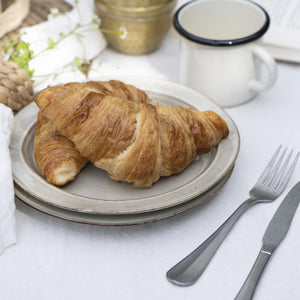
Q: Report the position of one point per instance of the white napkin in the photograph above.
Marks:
(79, 37)
(7, 204)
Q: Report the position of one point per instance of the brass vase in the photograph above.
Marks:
(146, 23)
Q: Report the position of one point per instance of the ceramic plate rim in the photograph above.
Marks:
(119, 220)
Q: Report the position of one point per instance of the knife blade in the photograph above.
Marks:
(282, 219)
(274, 234)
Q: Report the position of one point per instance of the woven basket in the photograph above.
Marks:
(38, 12)
(13, 16)
(15, 86)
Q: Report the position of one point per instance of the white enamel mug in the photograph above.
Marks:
(220, 50)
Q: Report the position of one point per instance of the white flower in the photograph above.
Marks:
(53, 13)
(123, 32)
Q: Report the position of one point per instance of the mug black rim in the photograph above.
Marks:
(213, 42)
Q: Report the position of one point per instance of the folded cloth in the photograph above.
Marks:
(63, 44)
(7, 204)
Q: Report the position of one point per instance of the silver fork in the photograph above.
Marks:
(268, 187)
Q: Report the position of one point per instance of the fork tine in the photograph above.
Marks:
(274, 172)
(280, 174)
(285, 180)
(269, 166)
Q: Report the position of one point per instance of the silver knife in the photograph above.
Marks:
(275, 233)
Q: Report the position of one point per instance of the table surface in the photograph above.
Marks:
(57, 259)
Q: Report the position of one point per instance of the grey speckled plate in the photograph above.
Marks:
(93, 192)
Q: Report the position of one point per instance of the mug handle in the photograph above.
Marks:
(269, 62)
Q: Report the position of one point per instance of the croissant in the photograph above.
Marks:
(55, 155)
(135, 142)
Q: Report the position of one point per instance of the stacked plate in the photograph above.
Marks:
(96, 199)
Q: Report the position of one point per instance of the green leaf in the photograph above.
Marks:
(79, 35)
(21, 55)
(95, 21)
(51, 44)
(77, 61)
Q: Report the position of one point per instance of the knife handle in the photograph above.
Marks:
(247, 290)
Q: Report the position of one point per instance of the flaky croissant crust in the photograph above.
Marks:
(136, 142)
(57, 158)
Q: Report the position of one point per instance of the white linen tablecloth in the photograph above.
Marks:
(57, 259)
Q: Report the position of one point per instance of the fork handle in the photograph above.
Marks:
(188, 270)
(247, 290)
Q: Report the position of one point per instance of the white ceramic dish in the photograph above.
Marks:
(114, 220)
(94, 192)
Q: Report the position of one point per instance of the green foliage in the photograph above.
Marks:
(20, 53)
(51, 44)
(82, 66)
(77, 61)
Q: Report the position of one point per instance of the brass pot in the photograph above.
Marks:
(146, 25)
(135, 3)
